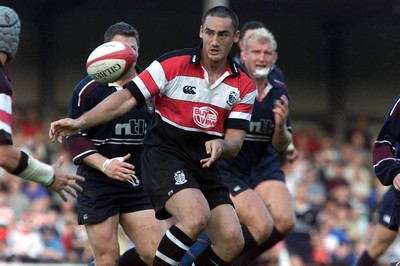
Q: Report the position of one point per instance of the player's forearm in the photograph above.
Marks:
(9, 157)
(232, 142)
(95, 160)
(115, 105)
(281, 139)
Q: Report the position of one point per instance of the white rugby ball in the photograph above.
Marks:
(110, 61)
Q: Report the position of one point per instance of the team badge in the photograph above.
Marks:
(233, 98)
(180, 178)
(205, 117)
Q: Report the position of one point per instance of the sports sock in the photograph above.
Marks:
(202, 242)
(172, 247)
(249, 241)
(252, 254)
(131, 257)
(365, 260)
(209, 258)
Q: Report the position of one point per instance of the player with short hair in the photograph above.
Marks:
(113, 193)
(203, 106)
(254, 177)
(12, 159)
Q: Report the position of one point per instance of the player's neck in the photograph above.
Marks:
(260, 83)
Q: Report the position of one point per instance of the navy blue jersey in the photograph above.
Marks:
(113, 139)
(6, 99)
(385, 155)
(260, 132)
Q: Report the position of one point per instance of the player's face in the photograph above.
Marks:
(259, 55)
(218, 37)
(131, 41)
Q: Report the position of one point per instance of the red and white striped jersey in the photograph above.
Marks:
(6, 100)
(192, 109)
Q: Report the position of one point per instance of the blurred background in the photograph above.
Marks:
(341, 62)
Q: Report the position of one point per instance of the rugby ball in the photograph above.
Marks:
(110, 61)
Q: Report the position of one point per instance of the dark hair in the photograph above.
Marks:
(251, 25)
(222, 12)
(121, 28)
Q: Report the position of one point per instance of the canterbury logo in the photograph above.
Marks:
(189, 90)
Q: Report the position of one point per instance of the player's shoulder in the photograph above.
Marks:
(176, 54)
(88, 87)
(276, 83)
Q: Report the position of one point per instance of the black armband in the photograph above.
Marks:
(22, 164)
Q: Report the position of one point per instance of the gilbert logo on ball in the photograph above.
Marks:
(110, 61)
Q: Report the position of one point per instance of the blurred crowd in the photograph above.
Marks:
(334, 189)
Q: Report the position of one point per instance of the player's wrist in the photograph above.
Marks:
(32, 169)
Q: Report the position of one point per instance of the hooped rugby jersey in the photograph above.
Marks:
(190, 110)
(385, 156)
(6, 101)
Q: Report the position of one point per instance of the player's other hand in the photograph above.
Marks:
(63, 128)
(119, 169)
(214, 149)
(65, 183)
(292, 154)
(396, 182)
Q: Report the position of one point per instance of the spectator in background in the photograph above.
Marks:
(32, 123)
(18, 201)
(299, 241)
(24, 243)
(53, 251)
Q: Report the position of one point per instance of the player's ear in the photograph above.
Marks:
(236, 36)
(275, 57)
(201, 32)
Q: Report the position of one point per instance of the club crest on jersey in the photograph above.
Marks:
(233, 98)
(180, 178)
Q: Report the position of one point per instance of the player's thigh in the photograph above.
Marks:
(278, 200)
(103, 236)
(143, 229)
(188, 206)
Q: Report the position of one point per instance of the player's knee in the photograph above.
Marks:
(261, 228)
(231, 237)
(285, 222)
(194, 223)
(106, 260)
(106, 257)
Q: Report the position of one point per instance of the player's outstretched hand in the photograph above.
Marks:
(63, 128)
(117, 168)
(64, 183)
